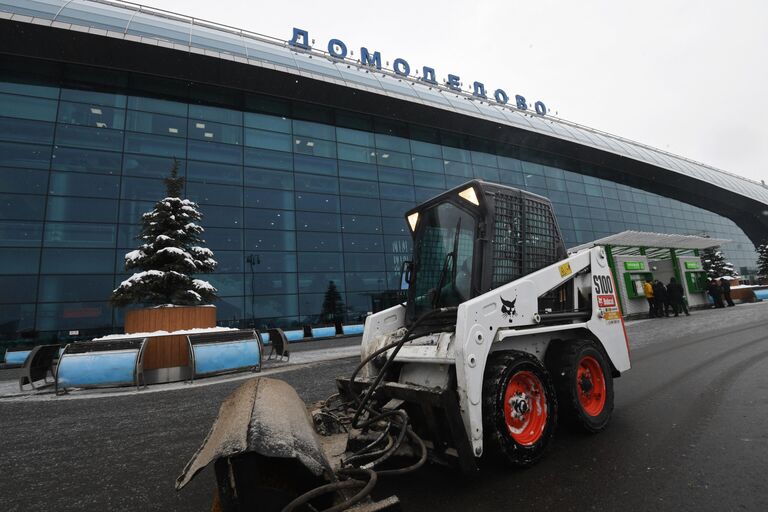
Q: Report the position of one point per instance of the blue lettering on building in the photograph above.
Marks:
(338, 50)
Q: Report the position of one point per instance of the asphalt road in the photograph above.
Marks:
(688, 433)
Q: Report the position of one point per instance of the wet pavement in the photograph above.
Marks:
(687, 434)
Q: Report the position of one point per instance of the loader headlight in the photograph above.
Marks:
(470, 195)
(413, 219)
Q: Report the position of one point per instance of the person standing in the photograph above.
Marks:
(660, 298)
(648, 290)
(677, 297)
(714, 291)
(725, 285)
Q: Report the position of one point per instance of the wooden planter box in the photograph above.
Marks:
(166, 358)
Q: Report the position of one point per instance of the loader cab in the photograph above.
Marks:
(472, 239)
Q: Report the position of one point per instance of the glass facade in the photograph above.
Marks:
(294, 196)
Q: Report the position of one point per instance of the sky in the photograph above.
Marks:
(686, 77)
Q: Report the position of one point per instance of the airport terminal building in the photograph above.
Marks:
(303, 157)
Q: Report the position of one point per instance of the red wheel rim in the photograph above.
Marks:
(525, 408)
(590, 382)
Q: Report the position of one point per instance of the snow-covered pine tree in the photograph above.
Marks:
(171, 252)
(715, 264)
(762, 260)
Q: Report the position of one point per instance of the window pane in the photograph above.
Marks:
(269, 219)
(208, 172)
(158, 124)
(25, 107)
(270, 240)
(160, 106)
(215, 132)
(265, 122)
(21, 130)
(215, 152)
(357, 170)
(316, 183)
(86, 137)
(20, 234)
(272, 262)
(87, 185)
(74, 288)
(322, 242)
(315, 165)
(79, 209)
(96, 116)
(23, 180)
(268, 140)
(150, 166)
(98, 98)
(142, 189)
(363, 243)
(207, 193)
(25, 155)
(79, 235)
(18, 289)
(146, 144)
(308, 129)
(256, 177)
(317, 202)
(19, 261)
(269, 159)
(21, 207)
(273, 199)
(73, 315)
(320, 262)
(319, 282)
(224, 238)
(222, 115)
(362, 205)
(363, 262)
(361, 224)
(86, 160)
(79, 261)
(311, 221)
(268, 284)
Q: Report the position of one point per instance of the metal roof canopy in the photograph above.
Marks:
(654, 240)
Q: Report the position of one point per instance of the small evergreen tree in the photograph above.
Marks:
(762, 260)
(333, 306)
(170, 253)
(715, 264)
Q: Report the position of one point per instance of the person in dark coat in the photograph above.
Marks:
(714, 291)
(725, 285)
(660, 298)
(677, 297)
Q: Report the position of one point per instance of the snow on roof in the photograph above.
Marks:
(660, 240)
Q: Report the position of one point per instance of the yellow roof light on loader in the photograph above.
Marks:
(413, 219)
(470, 195)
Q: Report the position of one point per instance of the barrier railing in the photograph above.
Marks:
(224, 352)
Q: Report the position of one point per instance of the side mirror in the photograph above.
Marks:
(406, 272)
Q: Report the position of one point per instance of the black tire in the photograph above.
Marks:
(563, 361)
(524, 448)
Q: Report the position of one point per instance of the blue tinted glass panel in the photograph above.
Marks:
(316, 147)
(70, 234)
(22, 130)
(160, 106)
(147, 144)
(395, 175)
(319, 282)
(359, 188)
(314, 165)
(357, 170)
(150, 166)
(73, 316)
(208, 172)
(320, 262)
(267, 178)
(131, 211)
(19, 261)
(392, 143)
(426, 149)
(267, 306)
(363, 262)
(85, 137)
(142, 189)
(312, 221)
(41, 91)
(79, 261)
(317, 202)
(268, 159)
(74, 288)
(269, 219)
(356, 154)
(95, 116)
(362, 205)
(268, 140)
(221, 115)
(227, 285)
(357, 137)
(97, 98)
(272, 262)
(269, 284)
(20, 234)
(316, 183)
(21, 207)
(421, 163)
(266, 122)
(229, 261)
(18, 289)
(272, 199)
(396, 192)
(85, 160)
(207, 193)
(222, 216)
(363, 243)
(25, 107)
(224, 238)
(215, 152)
(395, 209)
(322, 242)
(393, 159)
(458, 169)
(308, 129)
(78, 209)
(23, 180)
(362, 281)
(25, 155)
(86, 185)
(158, 124)
(215, 132)
(361, 224)
(270, 240)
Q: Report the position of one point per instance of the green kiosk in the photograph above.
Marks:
(637, 256)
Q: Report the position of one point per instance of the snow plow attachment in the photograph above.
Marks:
(267, 457)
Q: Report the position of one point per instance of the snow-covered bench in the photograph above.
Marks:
(224, 351)
(110, 363)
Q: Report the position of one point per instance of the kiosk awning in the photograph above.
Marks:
(654, 240)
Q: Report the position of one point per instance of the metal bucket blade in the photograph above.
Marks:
(264, 416)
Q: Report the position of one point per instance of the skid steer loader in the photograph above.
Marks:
(503, 336)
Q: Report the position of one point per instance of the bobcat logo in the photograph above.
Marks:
(508, 308)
